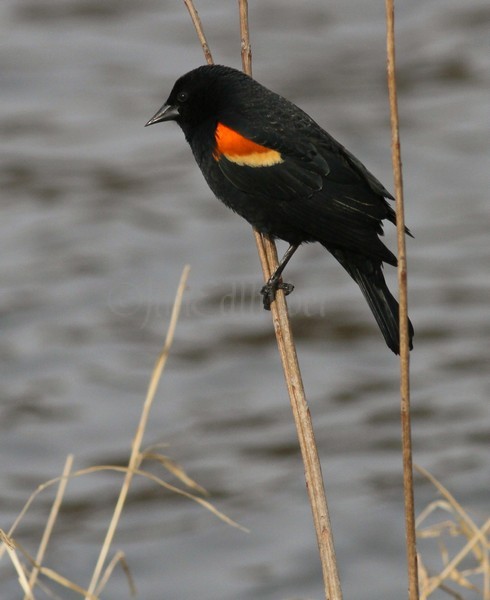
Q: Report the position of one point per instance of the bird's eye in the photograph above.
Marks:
(182, 97)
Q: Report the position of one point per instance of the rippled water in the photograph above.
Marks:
(98, 218)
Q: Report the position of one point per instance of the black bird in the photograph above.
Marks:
(275, 166)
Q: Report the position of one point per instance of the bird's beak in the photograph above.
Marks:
(166, 113)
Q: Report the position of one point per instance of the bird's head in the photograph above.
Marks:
(202, 95)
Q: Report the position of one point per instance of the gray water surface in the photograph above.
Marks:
(98, 218)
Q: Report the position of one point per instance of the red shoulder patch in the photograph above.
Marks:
(238, 149)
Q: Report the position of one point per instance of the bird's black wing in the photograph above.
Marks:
(313, 175)
(278, 171)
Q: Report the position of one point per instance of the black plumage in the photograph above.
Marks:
(274, 165)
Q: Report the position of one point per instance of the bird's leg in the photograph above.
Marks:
(274, 283)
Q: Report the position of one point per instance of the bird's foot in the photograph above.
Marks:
(269, 291)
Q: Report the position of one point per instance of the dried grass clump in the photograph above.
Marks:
(28, 568)
(454, 529)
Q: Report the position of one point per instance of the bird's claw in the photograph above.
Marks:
(269, 290)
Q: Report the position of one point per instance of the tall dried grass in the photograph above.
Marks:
(459, 539)
(28, 568)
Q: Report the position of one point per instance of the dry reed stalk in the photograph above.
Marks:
(301, 412)
(10, 548)
(161, 482)
(282, 327)
(174, 469)
(12, 544)
(199, 30)
(135, 457)
(50, 523)
(66, 583)
(118, 558)
(413, 592)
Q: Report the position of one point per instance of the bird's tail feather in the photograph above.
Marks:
(383, 305)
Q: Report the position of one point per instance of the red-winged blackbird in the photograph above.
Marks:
(271, 163)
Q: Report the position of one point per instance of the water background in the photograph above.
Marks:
(98, 218)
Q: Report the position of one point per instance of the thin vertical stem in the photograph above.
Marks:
(404, 336)
(287, 350)
(245, 37)
(135, 457)
(199, 30)
(51, 521)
